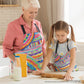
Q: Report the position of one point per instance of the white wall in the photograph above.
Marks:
(76, 17)
(80, 54)
(45, 15)
(59, 10)
(7, 14)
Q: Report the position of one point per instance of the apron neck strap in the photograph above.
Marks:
(67, 45)
(23, 29)
(57, 46)
(24, 32)
(37, 27)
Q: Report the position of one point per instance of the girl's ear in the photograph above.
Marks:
(68, 32)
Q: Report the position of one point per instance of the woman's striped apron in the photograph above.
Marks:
(32, 46)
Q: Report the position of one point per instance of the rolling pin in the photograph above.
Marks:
(82, 79)
(47, 75)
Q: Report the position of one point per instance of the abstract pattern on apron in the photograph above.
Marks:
(62, 63)
(32, 46)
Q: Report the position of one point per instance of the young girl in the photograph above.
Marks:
(62, 50)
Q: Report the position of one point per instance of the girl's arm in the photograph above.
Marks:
(72, 60)
(72, 64)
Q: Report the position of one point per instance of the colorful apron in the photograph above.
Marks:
(62, 63)
(32, 46)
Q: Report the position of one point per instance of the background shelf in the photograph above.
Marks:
(9, 3)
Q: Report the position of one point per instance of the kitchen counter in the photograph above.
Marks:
(33, 79)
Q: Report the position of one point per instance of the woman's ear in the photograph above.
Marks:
(23, 9)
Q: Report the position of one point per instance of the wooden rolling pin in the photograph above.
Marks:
(82, 79)
(47, 75)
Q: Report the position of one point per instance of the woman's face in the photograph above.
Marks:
(30, 13)
(61, 35)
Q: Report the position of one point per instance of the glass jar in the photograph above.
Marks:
(17, 74)
(11, 69)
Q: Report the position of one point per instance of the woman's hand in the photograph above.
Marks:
(38, 72)
(51, 66)
(12, 57)
(67, 76)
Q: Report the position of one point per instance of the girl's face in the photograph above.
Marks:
(30, 13)
(61, 36)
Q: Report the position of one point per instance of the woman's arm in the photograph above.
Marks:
(12, 57)
(9, 41)
(46, 59)
(43, 39)
(45, 62)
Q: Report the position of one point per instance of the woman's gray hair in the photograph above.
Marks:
(30, 3)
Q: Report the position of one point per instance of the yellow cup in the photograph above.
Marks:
(23, 59)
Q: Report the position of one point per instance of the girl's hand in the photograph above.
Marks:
(67, 76)
(51, 66)
(38, 72)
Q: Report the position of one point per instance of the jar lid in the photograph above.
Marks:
(17, 56)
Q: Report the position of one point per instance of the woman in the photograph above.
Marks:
(24, 35)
